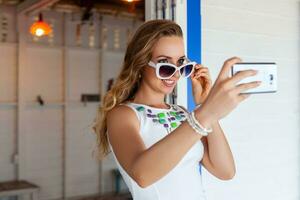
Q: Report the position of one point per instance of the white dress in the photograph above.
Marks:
(184, 181)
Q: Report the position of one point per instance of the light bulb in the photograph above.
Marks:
(39, 32)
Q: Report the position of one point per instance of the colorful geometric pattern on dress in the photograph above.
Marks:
(168, 119)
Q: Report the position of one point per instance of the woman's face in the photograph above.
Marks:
(166, 50)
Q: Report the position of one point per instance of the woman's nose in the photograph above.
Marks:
(177, 74)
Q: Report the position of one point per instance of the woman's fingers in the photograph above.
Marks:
(200, 70)
(246, 86)
(204, 77)
(197, 74)
(200, 67)
(241, 75)
(224, 73)
(242, 97)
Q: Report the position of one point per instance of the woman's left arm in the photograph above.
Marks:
(217, 157)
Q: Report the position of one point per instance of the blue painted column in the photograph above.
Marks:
(193, 43)
(193, 40)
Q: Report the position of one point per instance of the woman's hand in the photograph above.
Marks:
(201, 83)
(225, 94)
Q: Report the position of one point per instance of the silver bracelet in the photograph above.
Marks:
(198, 106)
(194, 126)
(207, 130)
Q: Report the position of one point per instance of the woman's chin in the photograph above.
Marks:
(167, 90)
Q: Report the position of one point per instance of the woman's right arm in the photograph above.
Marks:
(146, 166)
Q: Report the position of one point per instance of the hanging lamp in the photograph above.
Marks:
(40, 28)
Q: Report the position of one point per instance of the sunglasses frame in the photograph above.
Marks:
(158, 65)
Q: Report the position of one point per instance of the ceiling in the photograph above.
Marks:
(113, 7)
(98, 3)
(10, 2)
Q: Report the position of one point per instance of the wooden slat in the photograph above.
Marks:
(15, 188)
(16, 185)
(34, 6)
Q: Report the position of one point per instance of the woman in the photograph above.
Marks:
(157, 146)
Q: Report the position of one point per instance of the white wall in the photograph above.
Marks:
(114, 61)
(55, 141)
(7, 113)
(264, 130)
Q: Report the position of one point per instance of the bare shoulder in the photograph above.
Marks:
(122, 116)
(120, 119)
(124, 135)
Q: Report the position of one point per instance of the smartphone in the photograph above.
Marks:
(266, 73)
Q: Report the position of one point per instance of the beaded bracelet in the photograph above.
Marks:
(196, 128)
(195, 124)
(208, 130)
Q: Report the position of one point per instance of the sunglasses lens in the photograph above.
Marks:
(186, 70)
(166, 71)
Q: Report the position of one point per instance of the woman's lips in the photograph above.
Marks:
(169, 83)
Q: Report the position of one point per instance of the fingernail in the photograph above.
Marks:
(258, 82)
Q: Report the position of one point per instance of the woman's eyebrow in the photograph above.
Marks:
(168, 57)
(164, 56)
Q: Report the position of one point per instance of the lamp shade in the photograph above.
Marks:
(40, 28)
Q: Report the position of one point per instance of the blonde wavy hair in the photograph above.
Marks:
(137, 56)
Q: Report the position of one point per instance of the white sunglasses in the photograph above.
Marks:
(167, 70)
